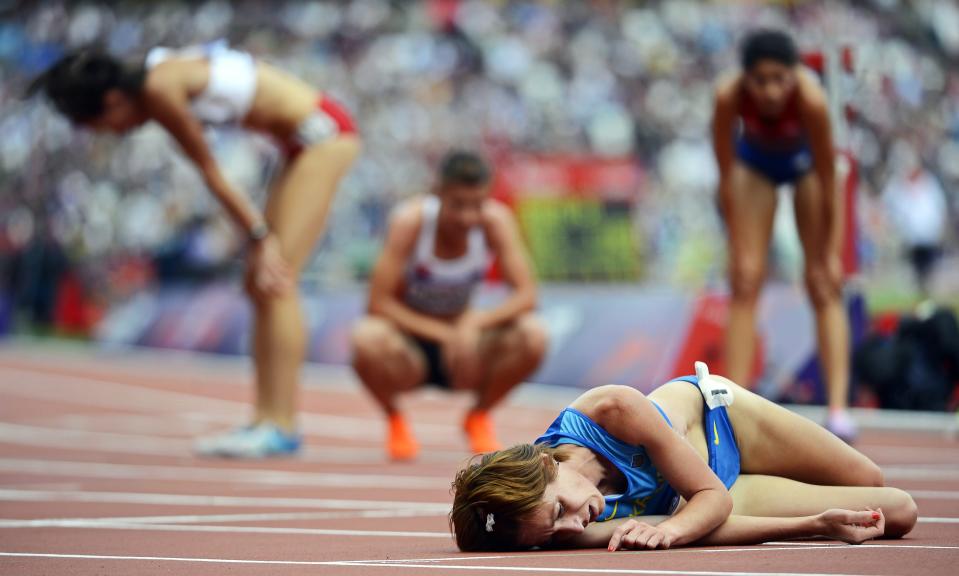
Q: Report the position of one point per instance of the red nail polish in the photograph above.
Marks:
(875, 515)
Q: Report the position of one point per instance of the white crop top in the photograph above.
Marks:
(229, 93)
(441, 287)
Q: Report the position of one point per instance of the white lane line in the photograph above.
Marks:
(801, 543)
(130, 526)
(220, 475)
(769, 546)
(143, 444)
(207, 518)
(918, 472)
(513, 569)
(93, 441)
(106, 394)
(935, 494)
(76, 435)
(199, 500)
(440, 566)
(153, 425)
(168, 559)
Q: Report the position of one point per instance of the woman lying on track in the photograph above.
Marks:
(183, 90)
(627, 471)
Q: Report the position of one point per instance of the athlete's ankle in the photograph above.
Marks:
(479, 430)
(284, 425)
(401, 444)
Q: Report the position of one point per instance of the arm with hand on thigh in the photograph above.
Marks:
(386, 282)
(723, 129)
(814, 111)
(503, 236)
(166, 99)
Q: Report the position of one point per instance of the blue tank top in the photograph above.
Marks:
(647, 492)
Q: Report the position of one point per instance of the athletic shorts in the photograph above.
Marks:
(330, 119)
(721, 444)
(435, 369)
(779, 167)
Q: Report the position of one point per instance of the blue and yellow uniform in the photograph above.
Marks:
(647, 492)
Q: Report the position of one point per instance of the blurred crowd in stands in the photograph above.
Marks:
(90, 218)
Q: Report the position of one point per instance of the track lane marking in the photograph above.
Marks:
(201, 500)
(434, 566)
(262, 476)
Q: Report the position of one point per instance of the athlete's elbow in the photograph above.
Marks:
(375, 307)
(613, 401)
(530, 300)
(726, 504)
(379, 306)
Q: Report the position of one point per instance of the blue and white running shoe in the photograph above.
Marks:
(262, 440)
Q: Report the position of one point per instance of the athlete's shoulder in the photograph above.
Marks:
(727, 88)
(496, 211)
(172, 77)
(407, 216)
(812, 96)
(605, 404)
(499, 225)
(408, 209)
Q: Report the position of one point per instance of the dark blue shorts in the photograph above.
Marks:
(779, 167)
(435, 370)
(720, 440)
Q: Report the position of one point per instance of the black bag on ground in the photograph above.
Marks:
(917, 367)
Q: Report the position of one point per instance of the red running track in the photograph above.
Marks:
(96, 477)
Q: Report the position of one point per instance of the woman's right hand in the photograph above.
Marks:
(851, 527)
(635, 535)
(269, 273)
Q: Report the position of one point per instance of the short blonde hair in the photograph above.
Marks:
(509, 484)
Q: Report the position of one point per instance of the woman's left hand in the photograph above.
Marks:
(634, 535)
(851, 527)
(270, 275)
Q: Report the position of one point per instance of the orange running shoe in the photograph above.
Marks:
(479, 429)
(401, 444)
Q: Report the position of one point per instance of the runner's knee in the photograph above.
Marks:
(901, 513)
(747, 278)
(371, 337)
(822, 288)
(533, 337)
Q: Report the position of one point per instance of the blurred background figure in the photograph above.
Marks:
(422, 327)
(918, 210)
(771, 128)
(183, 91)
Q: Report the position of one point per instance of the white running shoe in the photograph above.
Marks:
(260, 441)
(842, 425)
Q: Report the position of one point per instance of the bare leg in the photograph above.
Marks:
(751, 222)
(757, 495)
(510, 353)
(777, 442)
(385, 361)
(387, 364)
(296, 212)
(824, 284)
(279, 338)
